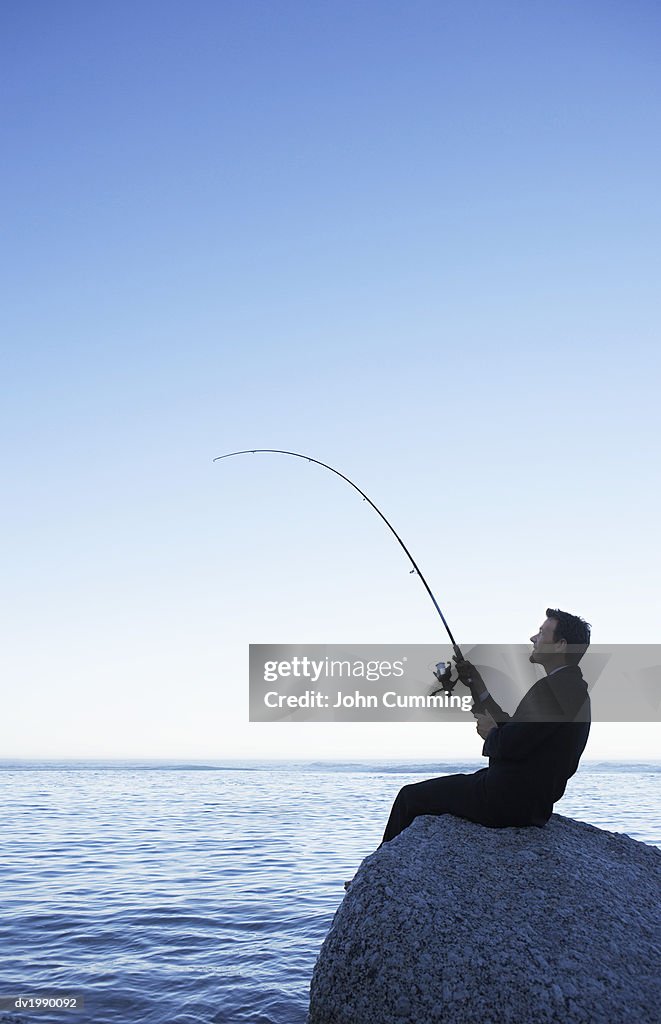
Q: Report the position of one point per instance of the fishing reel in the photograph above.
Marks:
(443, 674)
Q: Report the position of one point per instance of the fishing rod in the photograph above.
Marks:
(442, 674)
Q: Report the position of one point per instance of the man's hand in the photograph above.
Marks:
(485, 723)
(469, 675)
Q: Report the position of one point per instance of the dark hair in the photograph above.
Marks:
(574, 630)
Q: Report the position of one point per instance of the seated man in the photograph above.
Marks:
(531, 754)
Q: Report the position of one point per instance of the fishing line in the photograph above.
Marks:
(415, 569)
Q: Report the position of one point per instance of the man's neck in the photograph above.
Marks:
(555, 668)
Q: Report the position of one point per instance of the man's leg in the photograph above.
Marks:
(453, 794)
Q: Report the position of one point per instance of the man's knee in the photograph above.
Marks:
(403, 798)
(412, 798)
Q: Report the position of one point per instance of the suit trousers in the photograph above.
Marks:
(461, 795)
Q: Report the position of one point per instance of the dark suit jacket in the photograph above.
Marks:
(534, 752)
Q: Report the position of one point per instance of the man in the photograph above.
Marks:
(531, 754)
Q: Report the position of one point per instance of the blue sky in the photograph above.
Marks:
(416, 241)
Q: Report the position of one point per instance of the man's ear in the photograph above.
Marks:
(563, 644)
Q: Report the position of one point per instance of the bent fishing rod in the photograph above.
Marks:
(443, 675)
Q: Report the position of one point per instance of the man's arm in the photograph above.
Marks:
(482, 699)
(537, 718)
(514, 741)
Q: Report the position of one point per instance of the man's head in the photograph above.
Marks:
(562, 639)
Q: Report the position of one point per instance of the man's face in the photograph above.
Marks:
(543, 643)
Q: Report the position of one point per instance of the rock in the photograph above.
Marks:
(454, 923)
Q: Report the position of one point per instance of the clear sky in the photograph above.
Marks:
(418, 241)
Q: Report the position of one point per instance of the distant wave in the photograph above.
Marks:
(368, 766)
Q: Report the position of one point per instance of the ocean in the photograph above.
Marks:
(172, 893)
